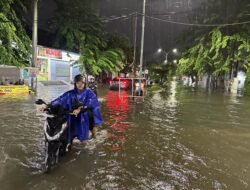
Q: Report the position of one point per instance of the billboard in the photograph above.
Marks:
(51, 53)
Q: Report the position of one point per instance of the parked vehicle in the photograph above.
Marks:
(124, 83)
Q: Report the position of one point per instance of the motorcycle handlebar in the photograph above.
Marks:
(70, 112)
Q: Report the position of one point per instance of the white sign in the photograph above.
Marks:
(68, 56)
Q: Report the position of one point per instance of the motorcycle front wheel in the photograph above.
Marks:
(51, 157)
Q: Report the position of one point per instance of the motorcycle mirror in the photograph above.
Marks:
(40, 102)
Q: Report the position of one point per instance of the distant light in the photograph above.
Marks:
(166, 61)
(175, 61)
(175, 50)
(159, 50)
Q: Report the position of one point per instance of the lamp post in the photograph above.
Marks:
(135, 44)
(142, 42)
(34, 40)
(167, 53)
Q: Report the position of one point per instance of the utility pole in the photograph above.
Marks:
(142, 42)
(34, 40)
(135, 44)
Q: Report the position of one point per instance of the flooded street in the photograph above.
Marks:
(178, 139)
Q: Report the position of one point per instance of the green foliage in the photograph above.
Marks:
(95, 61)
(214, 50)
(116, 41)
(154, 88)
(161, 72)
(79, 28)
(15, 48)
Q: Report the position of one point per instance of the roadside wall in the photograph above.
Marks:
(9, 75)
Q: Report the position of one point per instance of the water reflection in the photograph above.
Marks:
(117, 108)
(172, 102)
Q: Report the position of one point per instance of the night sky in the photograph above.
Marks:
(157, 34)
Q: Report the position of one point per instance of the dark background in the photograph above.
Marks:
(157, 34)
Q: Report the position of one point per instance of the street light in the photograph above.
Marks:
(175, 50)
(160, 50)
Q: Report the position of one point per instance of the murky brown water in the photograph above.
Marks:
(183, 139)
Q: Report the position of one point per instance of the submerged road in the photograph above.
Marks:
(178, 139)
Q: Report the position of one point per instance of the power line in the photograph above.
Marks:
(164, 20)
(196, 24)
(118, 18)
(103, 20)
(176, 22)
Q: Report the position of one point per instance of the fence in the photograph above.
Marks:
(134, 87)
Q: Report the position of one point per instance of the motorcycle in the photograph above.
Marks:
(55, 133)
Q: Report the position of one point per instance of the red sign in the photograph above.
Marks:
(46, 52)
(54, 53)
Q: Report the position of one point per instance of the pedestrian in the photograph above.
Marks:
(93, 85)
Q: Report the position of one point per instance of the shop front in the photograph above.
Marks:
(56, 65)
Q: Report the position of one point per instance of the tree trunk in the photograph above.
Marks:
(208, 82)
(87, 76)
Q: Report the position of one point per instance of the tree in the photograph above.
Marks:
(95, 60)
(121, 42)
(79, 28)
(217, 50)
(15, 46)
(161, 72)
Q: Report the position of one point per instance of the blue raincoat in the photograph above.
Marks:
(79, 126)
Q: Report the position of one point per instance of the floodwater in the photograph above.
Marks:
(178, 139)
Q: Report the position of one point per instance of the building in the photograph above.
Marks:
(53, 65)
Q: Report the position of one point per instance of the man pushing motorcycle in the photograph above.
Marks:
(79, 122)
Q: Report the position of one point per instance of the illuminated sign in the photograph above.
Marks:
(46, 52)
